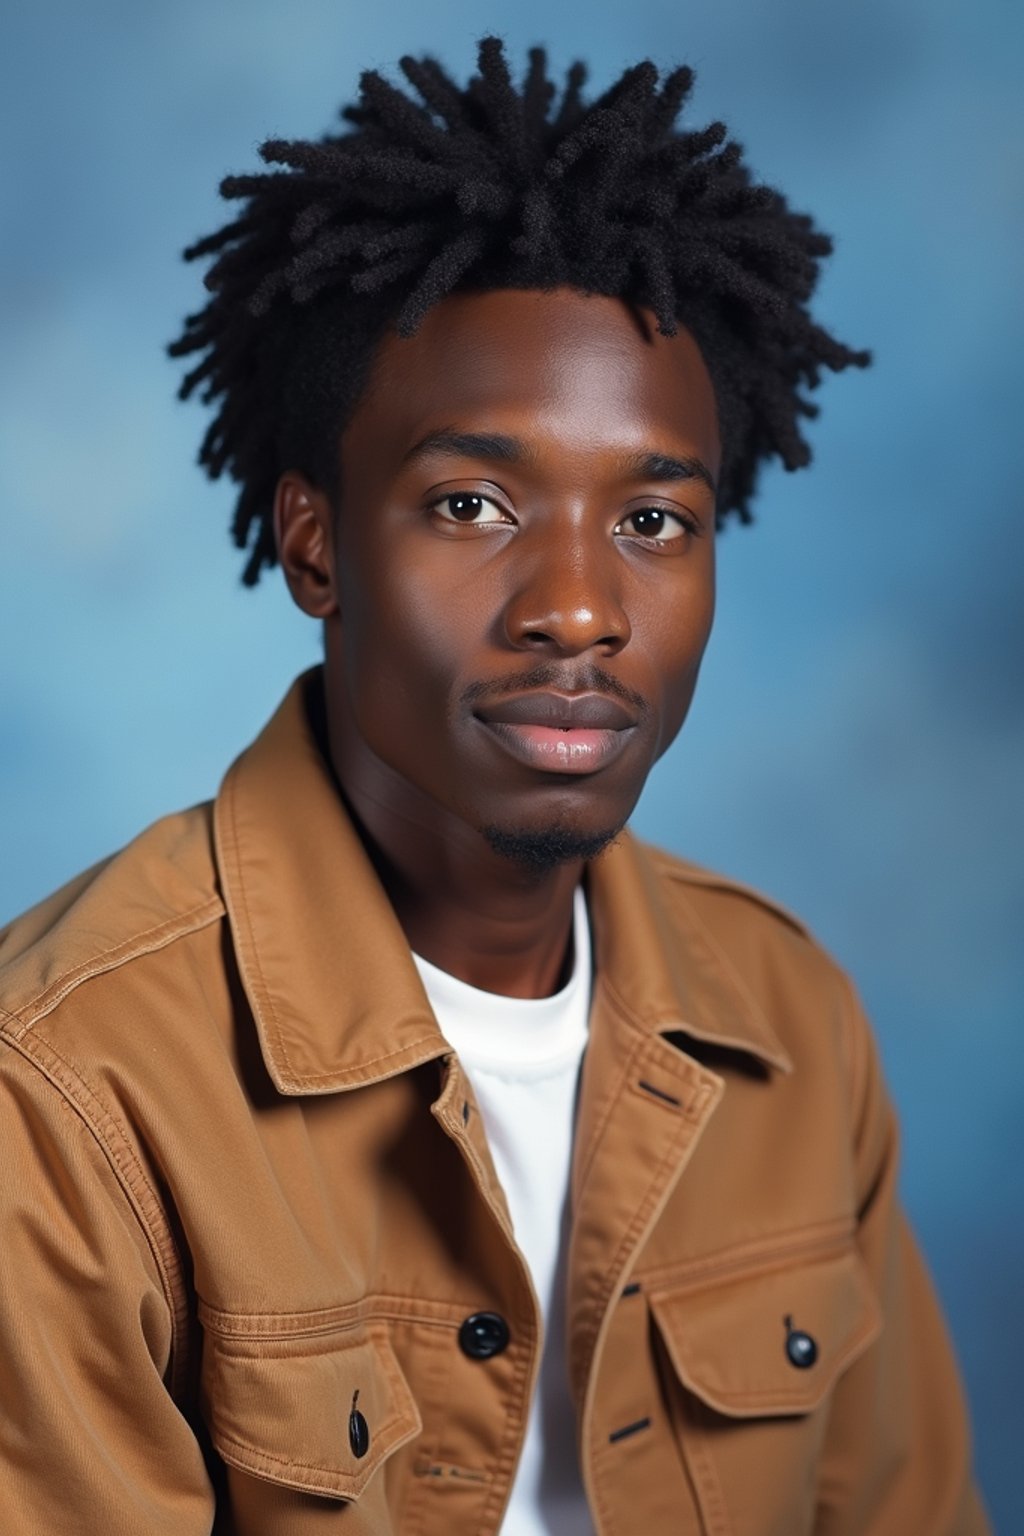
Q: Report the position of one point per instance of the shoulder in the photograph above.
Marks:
(158, 890)
(738, 920)
(710, 890)
(771, 956)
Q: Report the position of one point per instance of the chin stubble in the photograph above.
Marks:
(539, 851)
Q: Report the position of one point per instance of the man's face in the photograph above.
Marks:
(524, 558)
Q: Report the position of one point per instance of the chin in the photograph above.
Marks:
(538, 850)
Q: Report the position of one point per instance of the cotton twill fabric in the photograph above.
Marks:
(243, 1181)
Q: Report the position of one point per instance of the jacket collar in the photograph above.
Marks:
(326, 967)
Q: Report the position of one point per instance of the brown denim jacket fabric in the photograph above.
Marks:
(246, 1195)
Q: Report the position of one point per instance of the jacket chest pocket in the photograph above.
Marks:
(307, 1410)
(751, 1364)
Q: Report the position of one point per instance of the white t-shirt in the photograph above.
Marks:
(522, 1056)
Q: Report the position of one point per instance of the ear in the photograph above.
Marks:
(302, 531)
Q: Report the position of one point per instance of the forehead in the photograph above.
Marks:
(555, 366)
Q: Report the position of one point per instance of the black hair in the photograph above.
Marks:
(484, 188)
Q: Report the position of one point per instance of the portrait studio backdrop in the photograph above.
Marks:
(855, 748)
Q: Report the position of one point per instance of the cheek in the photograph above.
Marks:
(674, 645)
(404, 635)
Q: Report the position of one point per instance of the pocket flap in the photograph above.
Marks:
(280, 1408)
(728, 1342)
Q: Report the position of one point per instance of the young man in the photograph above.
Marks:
(395, 1145)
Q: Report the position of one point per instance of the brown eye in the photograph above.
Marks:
(465, 509)
(468, 508)
(655, 524)
(650, 522)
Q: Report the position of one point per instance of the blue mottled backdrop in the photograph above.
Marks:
(856, 745)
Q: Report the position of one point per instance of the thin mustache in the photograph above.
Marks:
(562, 679)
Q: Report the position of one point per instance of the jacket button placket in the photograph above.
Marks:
(664, 1106)
(505, 1345)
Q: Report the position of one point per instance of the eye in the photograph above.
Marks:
(657, 525)
(469, 509)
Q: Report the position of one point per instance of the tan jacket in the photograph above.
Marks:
(248, 1205)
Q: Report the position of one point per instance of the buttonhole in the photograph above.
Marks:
(666, 1098)
(445, 1469)
(628, 1429)
(632, 1288)
(465, 1111)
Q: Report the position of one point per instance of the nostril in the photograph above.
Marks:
(566, 630)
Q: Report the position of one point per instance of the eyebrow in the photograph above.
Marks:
(663, 466)
(510, 450)
(469, 445)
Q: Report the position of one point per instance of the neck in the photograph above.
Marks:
(467, 909)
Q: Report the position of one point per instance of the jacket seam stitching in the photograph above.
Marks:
(230, 1325)
(488, 1180)
(515, 1433)
(641, 1217)
(799, 1396)
(266, 1001)
(739, 988)
(338, 1075)
(663, 1021)
(817, 1238)
(709, 879)
(615, 1091)
(333, 1475)
(642, 1025)
(707, 1484)
(128, 1173)
(146, 942)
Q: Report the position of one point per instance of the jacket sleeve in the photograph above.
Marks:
(90, 1438)
(897, 1451)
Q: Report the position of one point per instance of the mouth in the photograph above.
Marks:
(558, 733)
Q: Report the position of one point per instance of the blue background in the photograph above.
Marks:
(856, 744)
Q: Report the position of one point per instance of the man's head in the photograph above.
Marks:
(489, 371)
(519, 588)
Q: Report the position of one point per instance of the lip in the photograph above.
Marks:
(571, 713)
(552, 750)
(553, 733)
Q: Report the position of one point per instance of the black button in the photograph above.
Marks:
(358, 1431)
(483, 1335)
(801, 1349)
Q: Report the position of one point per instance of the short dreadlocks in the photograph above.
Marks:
(486, 188)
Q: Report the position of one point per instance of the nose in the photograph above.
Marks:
(568, 601)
